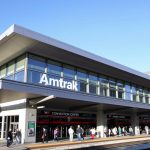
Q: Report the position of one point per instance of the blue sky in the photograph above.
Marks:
(118, 30)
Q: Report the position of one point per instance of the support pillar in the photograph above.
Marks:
(30, 125)
(101, 123)
(2, 130)
(135, 124)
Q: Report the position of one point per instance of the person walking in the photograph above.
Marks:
(146, 129)
(79, 132)
(9, 138)
(44, 135)
(93, 131)
(82, 133)
(71, 132)
(56, 132)
(109, 132)
(130, 130)
(119, 131)
(18, 136)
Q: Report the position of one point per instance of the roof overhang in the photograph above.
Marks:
(16, 40)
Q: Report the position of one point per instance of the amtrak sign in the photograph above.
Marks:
(61, 83)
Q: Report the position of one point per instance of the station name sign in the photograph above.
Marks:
(61, 83)
(65, 114)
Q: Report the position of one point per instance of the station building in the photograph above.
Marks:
(47, 83)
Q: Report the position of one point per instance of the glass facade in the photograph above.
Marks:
(93, 83)
(67, 77)
(14, 70)
(104, 86)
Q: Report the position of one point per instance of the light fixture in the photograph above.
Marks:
(46, 99)
(40, 107)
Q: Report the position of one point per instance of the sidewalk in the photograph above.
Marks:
(104, 143)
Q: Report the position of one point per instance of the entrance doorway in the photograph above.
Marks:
(10, 122)
(118, 120)
(63, 120)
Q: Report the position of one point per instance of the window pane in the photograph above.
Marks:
(141, 98)
(127, 87)
(120, 85)
(20, 63)
(103, 85)
(120, 94)
(112, 92)
(147, 99)
(54, 67)
(112, 83)
(19, 76)
(11, 67)
(68, 71)
(34, 76)
(37, 63)
(103, 81)
(82, 86)
(93, 88)
(103, 91)
(134, 97)
(93, 77)
(3, 71)
(133, 89)
(128, 96)
(16, 118)
(140, 90)
(11, 77)
(81, 74)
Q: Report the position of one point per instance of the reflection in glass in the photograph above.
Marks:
(36, 63)
(11, 68)
(68, 71)
(121, 94)
(112, 88)
(127, 96)
(112, 92)
(19, 76)
(11, 77)
(103, 86)
(93, 83)
(127, 87)
(3, 71)
(34, 76)
(81, 75)
(82, 86)
(20, 64)
(54, 67)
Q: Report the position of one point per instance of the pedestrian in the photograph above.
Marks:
(79, 132)
(56, 132)
(93, 131)
(71, 132)
(9, 138)
(130, 130)
(44, 135)
(114, 130)
(82, 133)
(146, 129)
(119, 131)
(18, 136)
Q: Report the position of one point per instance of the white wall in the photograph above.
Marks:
(25, 115)
(30, 116)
